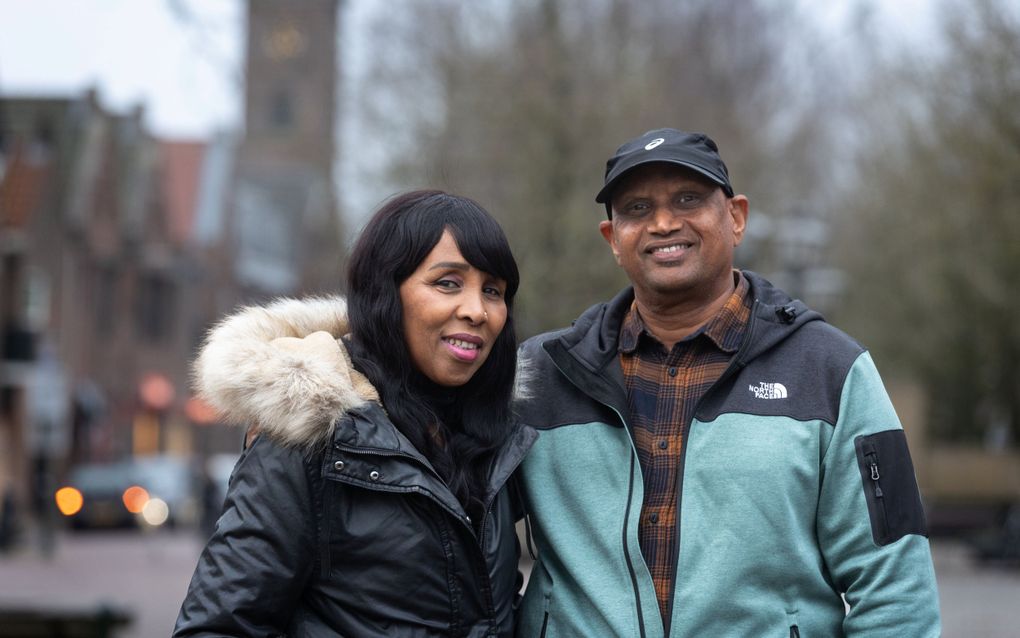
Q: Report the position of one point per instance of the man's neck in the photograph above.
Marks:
(672, 320)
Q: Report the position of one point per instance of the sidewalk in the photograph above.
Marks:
(976, 600)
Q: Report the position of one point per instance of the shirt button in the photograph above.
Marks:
(663, 444)
(672, 372)
(653, 518)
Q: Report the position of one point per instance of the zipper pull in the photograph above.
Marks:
(874, 477)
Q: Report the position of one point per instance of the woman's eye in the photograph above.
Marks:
(447, 284)
(493, 291)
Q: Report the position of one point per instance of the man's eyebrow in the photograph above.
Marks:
(629, 195)
(456, 265)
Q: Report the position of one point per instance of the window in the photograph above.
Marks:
(155, 311)
(281, 112)
(106, 301)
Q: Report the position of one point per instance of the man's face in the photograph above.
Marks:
(673, 232)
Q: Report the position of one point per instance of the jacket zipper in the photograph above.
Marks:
(630, 493)
(685, 433)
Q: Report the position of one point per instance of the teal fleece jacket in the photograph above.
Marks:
(796, 491)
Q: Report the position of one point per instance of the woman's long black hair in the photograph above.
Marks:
(458, 436)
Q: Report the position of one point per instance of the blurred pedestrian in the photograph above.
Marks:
(373, 499)
(713, 459)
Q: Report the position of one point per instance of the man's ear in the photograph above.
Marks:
(738, 209)
(606, 228)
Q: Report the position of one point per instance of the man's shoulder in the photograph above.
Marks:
(596, 317)
(534, 346)
(827, 341)
(788, 327)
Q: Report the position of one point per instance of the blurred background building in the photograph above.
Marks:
(118, 250)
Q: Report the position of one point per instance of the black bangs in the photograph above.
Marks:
(412, 224)
(481, 241)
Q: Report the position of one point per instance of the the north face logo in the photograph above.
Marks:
(768, 390)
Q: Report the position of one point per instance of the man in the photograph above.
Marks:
(714, 459)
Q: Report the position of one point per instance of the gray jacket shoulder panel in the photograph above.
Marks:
(801, 378)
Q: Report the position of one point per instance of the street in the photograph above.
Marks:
(148, 575)
(144, 574)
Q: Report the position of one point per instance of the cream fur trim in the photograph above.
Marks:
(282, 369)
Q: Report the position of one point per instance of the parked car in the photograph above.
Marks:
(101, 490)
(140, 492)
(176, 482)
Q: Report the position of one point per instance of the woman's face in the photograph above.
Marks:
(453, 313)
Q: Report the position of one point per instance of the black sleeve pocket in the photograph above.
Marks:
(894, 503)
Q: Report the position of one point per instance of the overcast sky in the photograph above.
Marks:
(178, 57)
(181, 58)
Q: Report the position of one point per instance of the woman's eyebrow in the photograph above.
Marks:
(456, 265)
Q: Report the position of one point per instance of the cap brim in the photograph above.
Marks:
(603, 195)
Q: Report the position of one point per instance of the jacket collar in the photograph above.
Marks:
(725, 329)
(367, 433)
(585, 352)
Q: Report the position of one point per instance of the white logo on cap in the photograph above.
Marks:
(650, 145)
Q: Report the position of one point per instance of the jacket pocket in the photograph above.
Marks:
(535, 619)
(794, 622)
(890, 488)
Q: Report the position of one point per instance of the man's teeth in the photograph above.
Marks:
(669, 249)
(465, 345)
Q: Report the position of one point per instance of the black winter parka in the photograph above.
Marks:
(351, 533)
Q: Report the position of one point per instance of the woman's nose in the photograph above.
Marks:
(472, 308)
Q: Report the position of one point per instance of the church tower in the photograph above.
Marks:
(285, 218)
(291, 79)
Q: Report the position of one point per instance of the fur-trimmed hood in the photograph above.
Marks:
(282, 369)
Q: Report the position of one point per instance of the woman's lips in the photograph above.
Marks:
(463, 347)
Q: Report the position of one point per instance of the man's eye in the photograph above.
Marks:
(688, 199)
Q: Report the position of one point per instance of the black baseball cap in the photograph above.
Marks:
(695, 151)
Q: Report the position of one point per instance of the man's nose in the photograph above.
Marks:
(662, 221)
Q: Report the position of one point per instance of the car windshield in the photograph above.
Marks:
(108, 477)
(166, 478)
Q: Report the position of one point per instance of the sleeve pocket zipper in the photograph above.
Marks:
(872, 458)
(890, 488)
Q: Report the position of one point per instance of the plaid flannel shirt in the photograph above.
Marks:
(663, 390)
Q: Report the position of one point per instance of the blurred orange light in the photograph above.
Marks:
(69, 501)
(135, 499)
(200, 412)
(157, 391)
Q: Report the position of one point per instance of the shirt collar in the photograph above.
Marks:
(725, 329)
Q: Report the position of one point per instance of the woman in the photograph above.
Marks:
(373, 499)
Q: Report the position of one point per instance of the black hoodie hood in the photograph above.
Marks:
(586, 354)
(594, 337)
